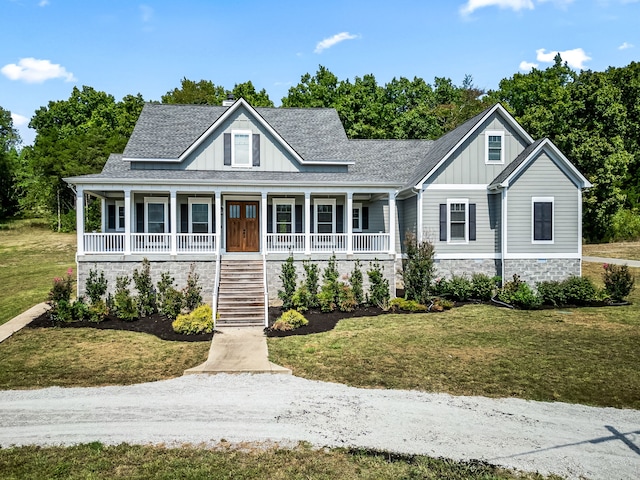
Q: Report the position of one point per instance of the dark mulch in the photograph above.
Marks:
(156, 324)
(319, 321)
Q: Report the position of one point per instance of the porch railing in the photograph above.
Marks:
(150, 242)
(371, 242)
(196, 242)
(328, 242)
(285, 242)
(104, 242)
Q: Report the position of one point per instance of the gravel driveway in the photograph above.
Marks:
(570, 440)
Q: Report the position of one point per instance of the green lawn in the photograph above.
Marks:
(627, 250)
(585, 355)
(30, 256)
(97, 461)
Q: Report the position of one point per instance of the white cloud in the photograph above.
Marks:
(625, 45)
(19, 120)
(575, 58)
(43, 3)
(32, 70)
(331, 41)
(516, 5)
(527, 66)
(146, 13)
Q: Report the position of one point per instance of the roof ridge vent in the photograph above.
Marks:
(229, 101)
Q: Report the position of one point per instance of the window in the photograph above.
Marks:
(542, 219)
(284, 215)
(494, 148)
(457, 221)
(199, 215)
(156, 215)
(120, 216)
(356, 223)
(241, 147)
(325, 215)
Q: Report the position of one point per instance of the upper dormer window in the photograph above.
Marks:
(241, 148)
(494, 147)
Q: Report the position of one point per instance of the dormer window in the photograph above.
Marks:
(494, 147)
(241, 148)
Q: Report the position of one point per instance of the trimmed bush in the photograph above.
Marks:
(289, 279)
(289, 320)
(406, 305)
(579, 290)
(192, 293)
(618, 281)
(552, 293)
(146, 298)
(170, 300)
(519, 294)
(96, 286)
(356, 283)
(301, 299)
(346, 298)
(417, 268)
(98, 311)
(124, 304)
(482, 286)
(459, 288)
(379, 295)
(311, 281)
(198, 321)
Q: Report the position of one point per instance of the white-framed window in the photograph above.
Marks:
(542, 220)
(156, 214)
(325, 215)
(458, 220)
(494, 146)
(241, 145)
(284, 215)
(119, 215)
(199, 215)
(356, 217)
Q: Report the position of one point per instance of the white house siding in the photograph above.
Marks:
(487, 223)
(543, 178)
(467, 165)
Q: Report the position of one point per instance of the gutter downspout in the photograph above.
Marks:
(503, 233)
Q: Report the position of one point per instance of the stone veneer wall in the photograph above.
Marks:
(179, 271)
(533, 270)
(447, 268)
(345, 267)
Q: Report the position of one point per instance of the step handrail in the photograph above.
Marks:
(266, 290)
(216, 290)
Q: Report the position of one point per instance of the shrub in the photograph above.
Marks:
(346, 298)
(459, 288)
(61, 312)
(442, 304)
(98, 311)
(328, 296)
(552, 293)
(482, 286)
(289, 279)
(311, 281)
(625, 225)
(417, 268)
(356, 283)
(407, 305)
(618, 281)
(579, 290)
(96, 286)
(378, 286)
(62, 287)
(301, 299)
(80, 310)
(170, 301)
(519, 294)
(192, 293)
(146, 298)
(289, 320)
(198, 321)
(440, 287)
(123, 303)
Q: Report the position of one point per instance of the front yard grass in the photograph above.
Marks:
(30, 256)
(582, 355)
(86, 357)
(98, 461)
(627, 250)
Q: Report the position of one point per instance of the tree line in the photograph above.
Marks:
(593, 117)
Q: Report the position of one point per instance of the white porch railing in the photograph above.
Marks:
(371, 242)
(104, 242)
(285, 242)
(150, 242)
(328, 242)
(196, 242)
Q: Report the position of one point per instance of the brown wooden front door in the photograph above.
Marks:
(243, 227)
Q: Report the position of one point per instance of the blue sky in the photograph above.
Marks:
(127, 47)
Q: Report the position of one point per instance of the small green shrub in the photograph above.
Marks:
(62, 288)
(170, 300)
(96, 286)
(378, 286)
(330, 289)
(192, 293)
(459, 288)
(289, 279)
(80, 310)
(327, 298)
(289, 320)
(579, 290)
(146, 298)
(519, 294)
(124, 304)
(482, 286)
(98, 311)
(301, 299)
(311, 281)
(418, 268)
(618, 281)
(406, 305)
(198, 321)
(356, 283)
(61, 312)
(552, 293)
(346, 298)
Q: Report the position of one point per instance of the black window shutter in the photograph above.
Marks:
(269, 218)
(339, 218)
(443, 222)
(299, 222)
(184, 218)
(227, 149)
(111, 217)
(139, 217)
(365, 218)
(543, 221)
(472, 222)
(213, 217)
(256, 150)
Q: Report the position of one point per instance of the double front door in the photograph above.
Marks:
(243, 227)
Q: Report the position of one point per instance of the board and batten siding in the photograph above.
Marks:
(542, 178)
(408, 214)
(467, 165)
(487, 221)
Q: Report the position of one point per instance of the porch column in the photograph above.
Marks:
(350, 223)
(263, 223)
(103, 214)
(127, 221)
(218, 207)
(80, 218)
(392, 222)
(173, 221)
(307, 223)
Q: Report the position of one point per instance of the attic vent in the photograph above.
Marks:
(229, 101)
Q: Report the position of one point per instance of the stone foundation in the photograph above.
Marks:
(488, 266)
(534, 270)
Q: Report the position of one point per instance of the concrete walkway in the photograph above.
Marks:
(615, 261)
(238, 350)
(12, 326)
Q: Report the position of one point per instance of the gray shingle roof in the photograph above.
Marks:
(509, 169)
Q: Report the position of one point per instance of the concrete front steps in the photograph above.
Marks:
(241, 293)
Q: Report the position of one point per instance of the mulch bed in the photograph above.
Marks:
(156, 324)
